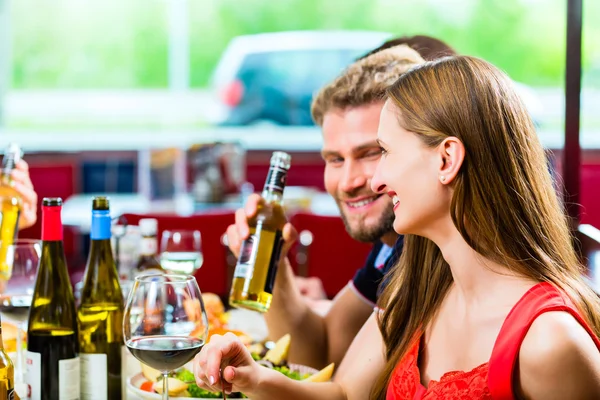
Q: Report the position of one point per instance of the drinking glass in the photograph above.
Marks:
(165, 323)
(181, 251)
(22, 258)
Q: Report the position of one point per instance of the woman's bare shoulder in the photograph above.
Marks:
(558, 359)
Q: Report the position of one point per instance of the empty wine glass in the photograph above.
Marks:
(22, 258)
(181, 251)
(165, 323)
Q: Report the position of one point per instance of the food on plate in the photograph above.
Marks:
(215, 311)
(150, 373)
(181, 381)
(243, 336)
(280, 351)
(176, 386)
(323, 375)
(192, 309)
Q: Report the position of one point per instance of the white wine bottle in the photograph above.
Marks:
(52, 359)
(7, 373)
(254, 275)
(100, 314)
(10, 209)
(148, 262)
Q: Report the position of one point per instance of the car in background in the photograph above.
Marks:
(272, 77)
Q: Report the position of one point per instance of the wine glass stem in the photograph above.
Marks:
(165, 387)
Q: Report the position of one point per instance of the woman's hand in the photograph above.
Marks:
(22, 184)
(226, 357)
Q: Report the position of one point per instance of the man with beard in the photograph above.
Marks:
(348, 112)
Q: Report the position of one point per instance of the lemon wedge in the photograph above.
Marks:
(279, 353)
(323, 375)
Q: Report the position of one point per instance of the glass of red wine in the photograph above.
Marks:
(165, 323)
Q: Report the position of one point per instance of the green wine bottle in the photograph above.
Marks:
(100, 315)
(52, 359)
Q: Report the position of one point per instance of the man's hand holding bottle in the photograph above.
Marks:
(311, 288)
(240, 231)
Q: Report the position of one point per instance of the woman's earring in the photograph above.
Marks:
(443, 178)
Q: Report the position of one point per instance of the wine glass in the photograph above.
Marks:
(181, 251)
(165, 323)
(22, 258)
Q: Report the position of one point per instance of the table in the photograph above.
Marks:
(250, 322)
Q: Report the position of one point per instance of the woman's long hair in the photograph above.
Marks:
(504, 203)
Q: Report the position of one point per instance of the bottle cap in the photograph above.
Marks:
(52, 201)
(281, 159)
(12, 155)
(100, 203)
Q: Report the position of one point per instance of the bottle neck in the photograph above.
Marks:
(272, 196)
(100, 234)
(275, 184)
(100, 230)
(100, 246)
(52, 224)
(8, 164)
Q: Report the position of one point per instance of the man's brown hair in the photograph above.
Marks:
(365, 81)
(428, 47)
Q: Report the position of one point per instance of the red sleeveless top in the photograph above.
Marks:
(491, 380)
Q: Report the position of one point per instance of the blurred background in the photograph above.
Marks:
(174, 106)
(155, 64)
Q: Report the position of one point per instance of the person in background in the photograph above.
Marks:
(488, 300)
(348, 112)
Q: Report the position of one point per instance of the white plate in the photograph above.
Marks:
(249, 322)
(134, 383)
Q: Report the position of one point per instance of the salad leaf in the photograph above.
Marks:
(197, 392)
(185, 375)
(291, 374)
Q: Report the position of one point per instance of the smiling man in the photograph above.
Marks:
(348, 112)
(351, 153)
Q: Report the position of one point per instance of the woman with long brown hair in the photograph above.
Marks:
(488, 299)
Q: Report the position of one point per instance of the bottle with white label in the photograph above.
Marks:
(100, 315)
(52, 359)
(148, 262)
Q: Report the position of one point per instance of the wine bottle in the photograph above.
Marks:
(7, 373)
(100, 314)
(254, 275)
(10, 208)
(52, 359)
(148, 259)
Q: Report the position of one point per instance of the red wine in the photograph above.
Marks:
(165, 353)
(52, 354)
